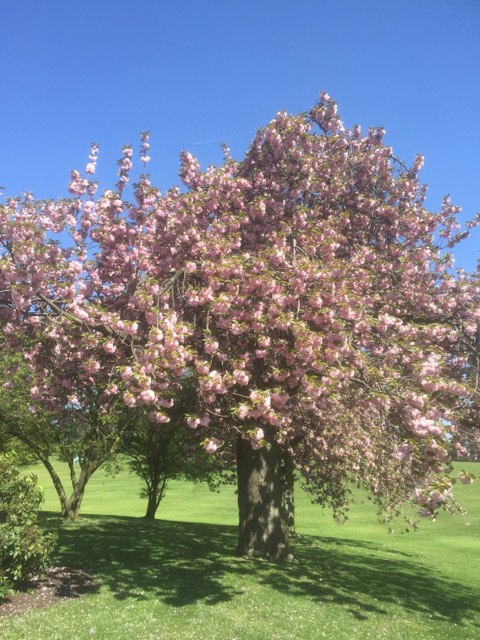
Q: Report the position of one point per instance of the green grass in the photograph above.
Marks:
(175, 578)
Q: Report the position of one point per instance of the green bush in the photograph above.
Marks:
(24, 549)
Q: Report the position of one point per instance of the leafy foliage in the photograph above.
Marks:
(24, 550)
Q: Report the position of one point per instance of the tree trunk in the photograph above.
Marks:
(288, 498)
(155, 494)
(263, 530)
(151, 508)
(70, 505)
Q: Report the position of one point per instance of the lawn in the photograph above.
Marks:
(176, 578)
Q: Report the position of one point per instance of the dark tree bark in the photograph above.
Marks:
(152, 507)
(263, 530)
(288, 499)
(155, 491)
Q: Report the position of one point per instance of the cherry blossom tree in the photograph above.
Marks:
(307, 287)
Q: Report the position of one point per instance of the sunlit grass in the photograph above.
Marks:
(176, 578)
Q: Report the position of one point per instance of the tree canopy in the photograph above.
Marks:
(306, 286)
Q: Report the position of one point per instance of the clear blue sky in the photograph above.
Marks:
(199, 72)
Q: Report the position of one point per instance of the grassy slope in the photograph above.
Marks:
(175, 578)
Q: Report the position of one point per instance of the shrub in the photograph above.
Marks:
(25, 550)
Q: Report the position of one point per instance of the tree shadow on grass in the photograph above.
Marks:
(183, 563)
(366, 578)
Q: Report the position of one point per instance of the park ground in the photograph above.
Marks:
(176, 578)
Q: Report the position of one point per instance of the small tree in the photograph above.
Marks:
(83, 438)
(158, 453)
(24, 550)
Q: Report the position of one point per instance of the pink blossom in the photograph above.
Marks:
(129, 399)
(109, 347)
(156, 334)
(126, 373)
(258, 434)
(91, 366)
(240, 377)
(242, 411)
(404, 452)
(212, 445)
(112, 389)
(147, 395)
(211, 346)
(161, 418)
(75, 267)
(202, 368)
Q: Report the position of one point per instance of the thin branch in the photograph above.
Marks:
(102, 328)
